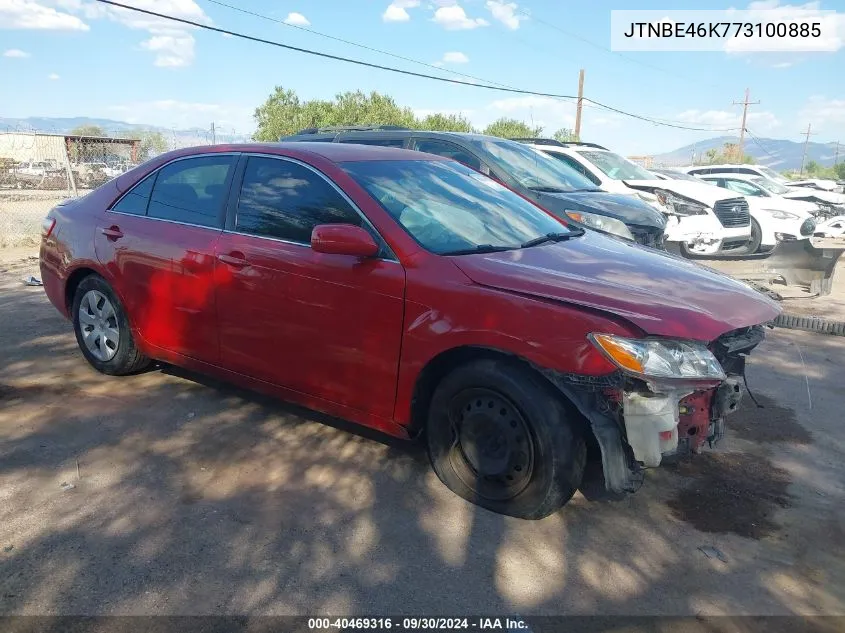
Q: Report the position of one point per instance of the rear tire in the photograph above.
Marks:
(501, 438)
(102, 329)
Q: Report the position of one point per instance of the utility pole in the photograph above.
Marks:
(806, 134)
(580, 104)
(213, 134)
(836, 155)
(744, 105)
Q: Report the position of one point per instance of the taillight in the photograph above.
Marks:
(47, 225)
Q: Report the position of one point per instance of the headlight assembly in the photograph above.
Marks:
(602, 223)
(654, 358)
(673, 204)
(781, 215)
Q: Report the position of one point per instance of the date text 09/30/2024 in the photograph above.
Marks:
(419, 623)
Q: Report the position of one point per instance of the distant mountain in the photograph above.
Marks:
(775, 153)
(63, 125)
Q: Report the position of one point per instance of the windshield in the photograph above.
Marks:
(448, 207)
(617, 167)
(532, 168)
(676, 175)
(771, 173)
(770, 185)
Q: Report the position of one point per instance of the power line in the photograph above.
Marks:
(601, 47)
(356, 44)
(681, 124)
(744, 103)
(806, 134)
(759, 144)
(400, 71)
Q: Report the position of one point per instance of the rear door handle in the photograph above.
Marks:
(233, 259)
(113, 232)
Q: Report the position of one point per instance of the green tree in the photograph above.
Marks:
(812, 168)
(512, 128)
(445, 123)
(839, 171)
(152, 144)
(728, 154)
(283, 113)
(564, 135)
(88, 130)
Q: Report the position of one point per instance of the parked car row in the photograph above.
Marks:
(498, 309)
(826, 206)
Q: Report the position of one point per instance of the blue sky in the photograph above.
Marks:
(80, 58)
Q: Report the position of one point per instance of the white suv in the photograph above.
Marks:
(701, 219)
(773, 218)
(829, 187)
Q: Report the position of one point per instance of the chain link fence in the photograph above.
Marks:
(40, 169)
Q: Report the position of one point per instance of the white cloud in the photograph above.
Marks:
(826, 115)
(172, 51)
(455, 57)
(172, 43)
(506, 13)
(53, 77)
(297, 19)
(29, 14)
(783, 65)
(397, 10)
(831, 24)
(16, 53)
(454, 18)
(762, 121)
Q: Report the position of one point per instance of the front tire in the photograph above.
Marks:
(102, 329)
(756, 237)
(502, 439)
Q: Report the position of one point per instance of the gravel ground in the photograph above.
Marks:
(169, 493)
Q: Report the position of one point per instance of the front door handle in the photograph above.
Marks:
(235, 259)
(113, 232)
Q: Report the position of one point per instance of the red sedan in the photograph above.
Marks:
(409, 294)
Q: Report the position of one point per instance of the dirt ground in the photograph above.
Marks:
(168, 493)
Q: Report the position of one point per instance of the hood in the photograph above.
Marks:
(778, 203)
(827, 185)
(628, 208)
(661, 294)
(700, 192)
(814, 195)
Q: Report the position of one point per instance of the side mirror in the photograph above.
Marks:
(343, 239)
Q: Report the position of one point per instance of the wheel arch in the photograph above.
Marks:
(74, 279)
(438, 367)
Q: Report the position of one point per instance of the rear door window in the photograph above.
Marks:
(192, 190)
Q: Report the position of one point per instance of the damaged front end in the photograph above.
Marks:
(642, 420)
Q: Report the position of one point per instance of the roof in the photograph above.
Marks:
(335, 152)
(388, 133)
(729, 175)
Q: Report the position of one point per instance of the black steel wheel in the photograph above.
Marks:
(493, 447)
(500, 436)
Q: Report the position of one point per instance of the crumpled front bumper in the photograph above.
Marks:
(676, 421)
(639, 424)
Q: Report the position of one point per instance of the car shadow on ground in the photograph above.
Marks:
(171, 493)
